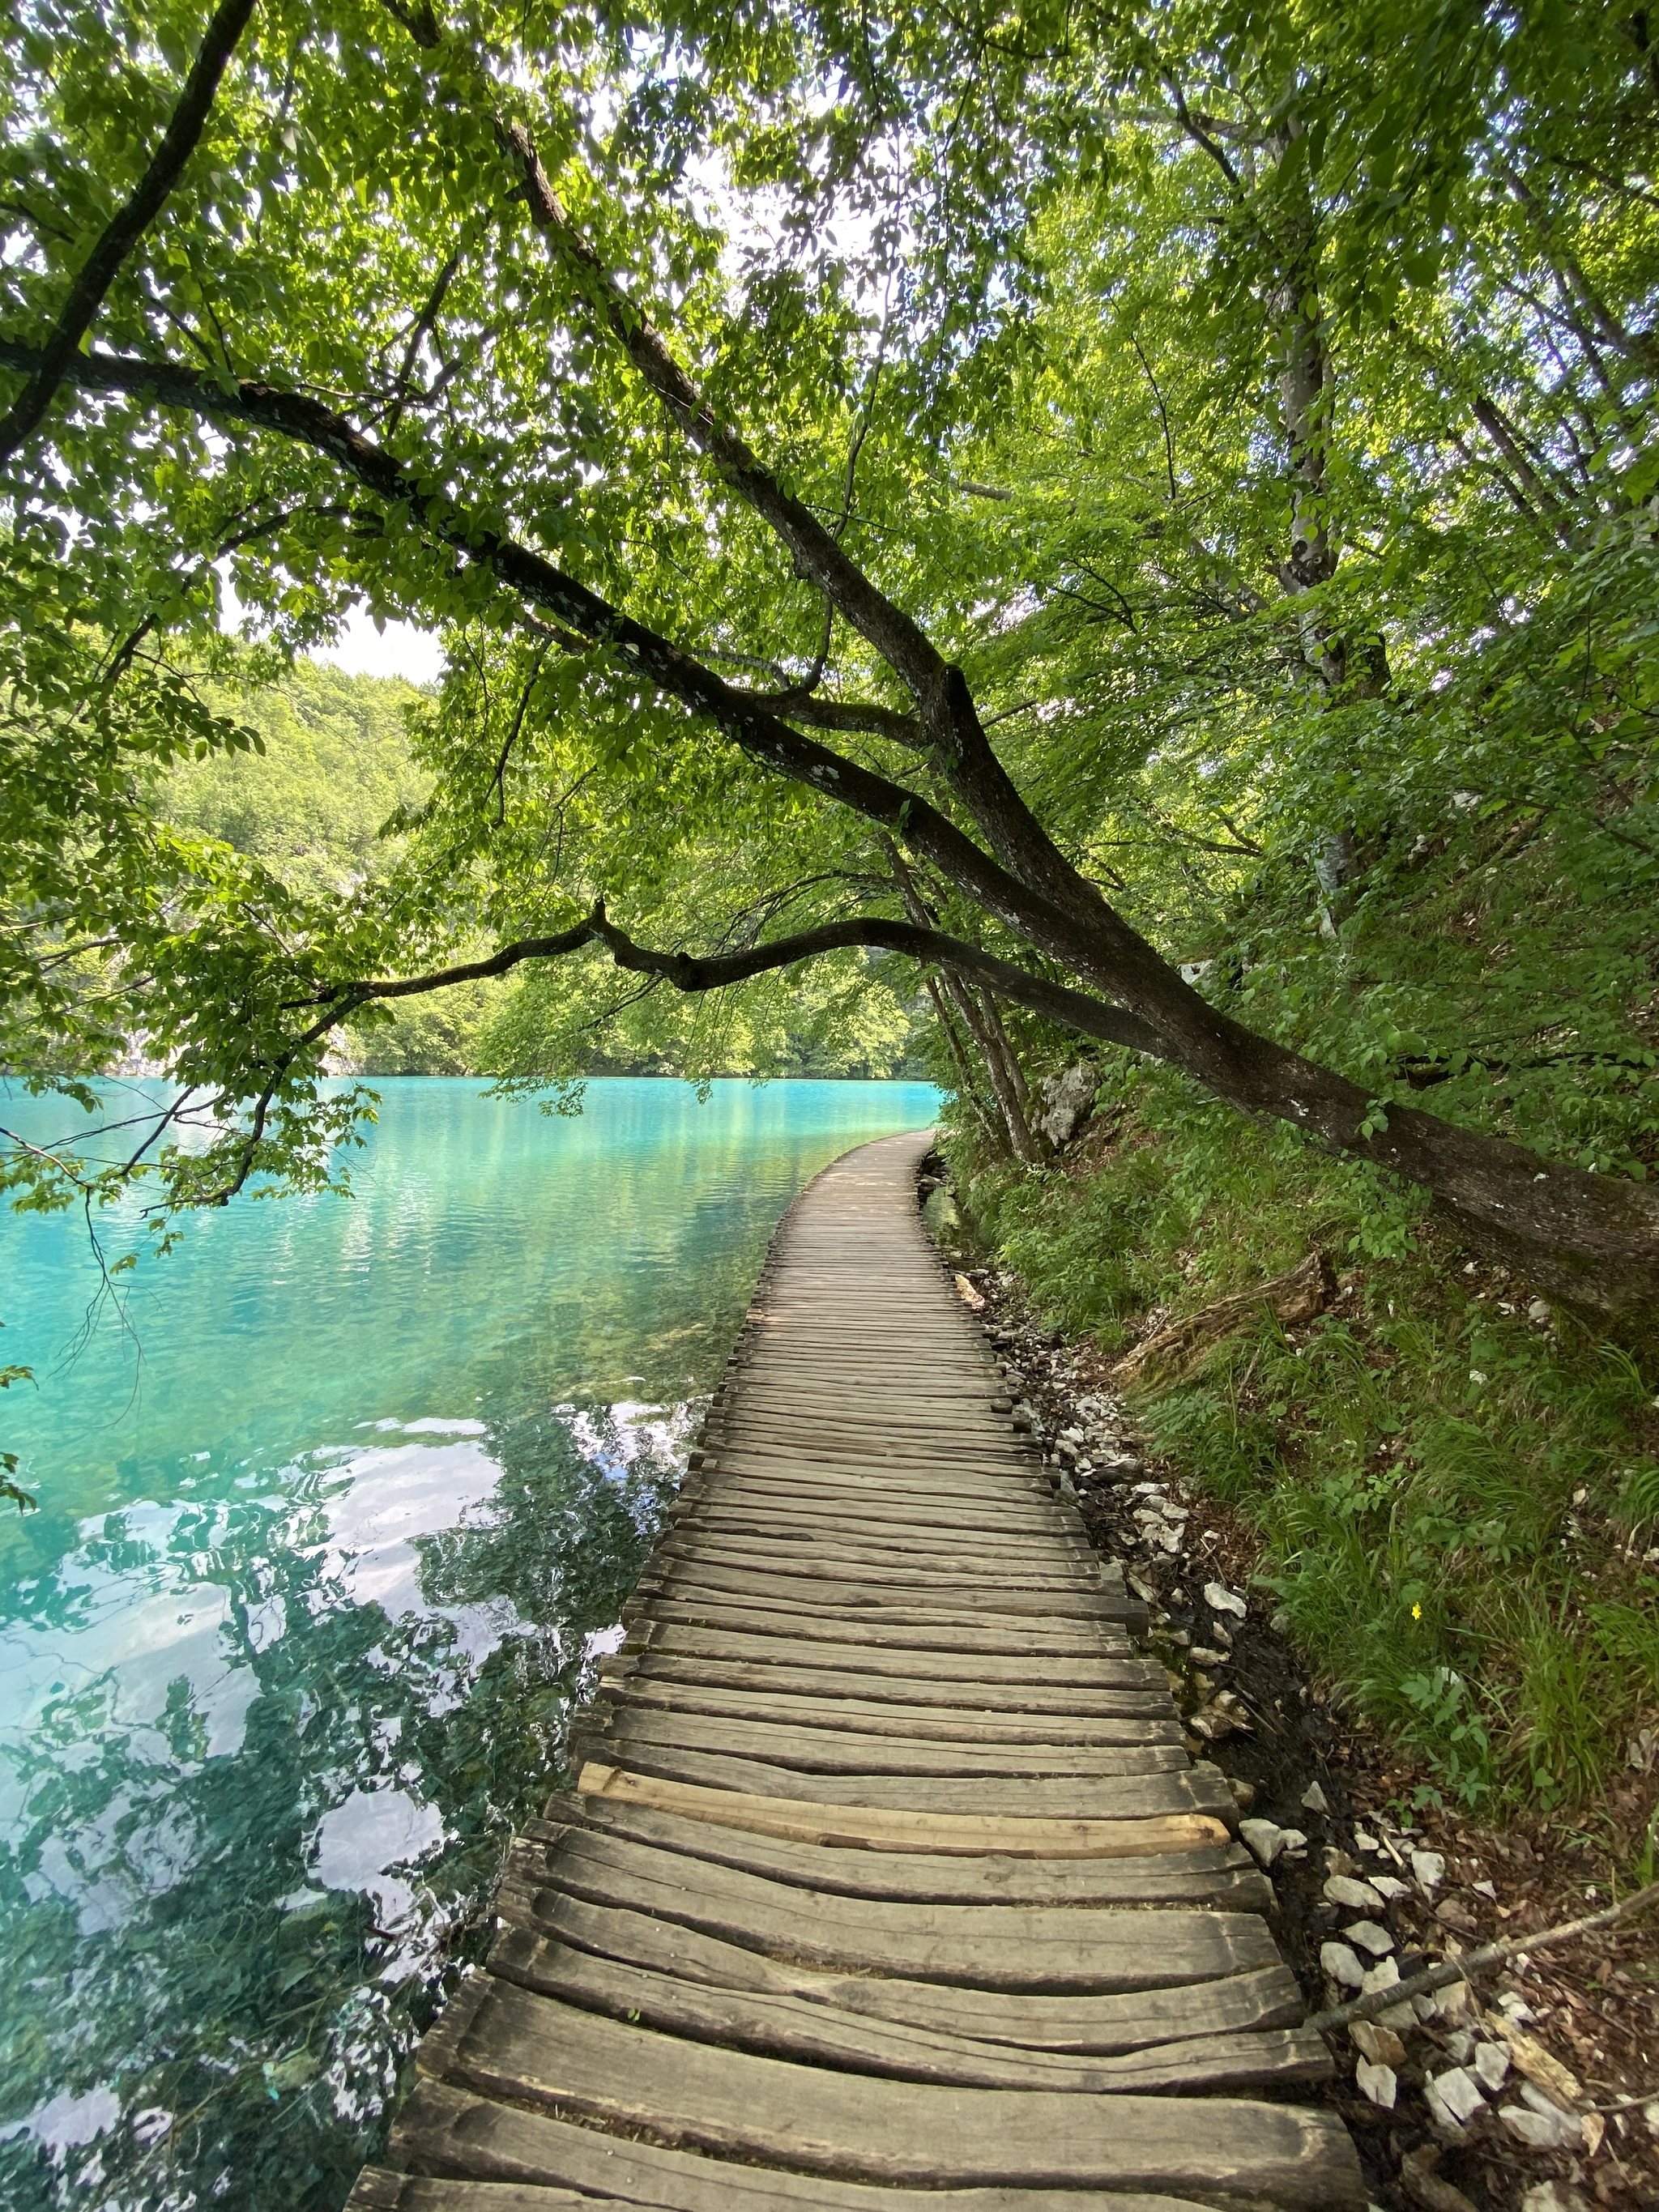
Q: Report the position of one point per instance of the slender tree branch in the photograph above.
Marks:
(499, 780)
(899, 640)
(687, 972)
(123, 230)
(420, 329)
(842, 715)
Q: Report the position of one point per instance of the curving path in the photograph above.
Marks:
(887, 1885)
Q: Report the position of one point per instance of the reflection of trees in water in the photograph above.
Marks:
(143, 1892)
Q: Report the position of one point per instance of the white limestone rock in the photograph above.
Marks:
(1379, 2083)
(1342, 1964)
(1454, 2096)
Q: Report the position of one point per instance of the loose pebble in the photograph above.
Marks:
(1389, 1885)
(1492, 2065)
(1220, 1598)
(1379, 2083)
(1542, 2122)
(1369, 1937)
(1342, 1964)
(1315, 1799)
(1429, 1867)
(1358, 1896)
(1453, 2096)
(1551, 2196)
(1265, 1837)
(1378, 2044)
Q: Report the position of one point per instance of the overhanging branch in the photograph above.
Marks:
(127, 226)
(686, 972)
(761, 733)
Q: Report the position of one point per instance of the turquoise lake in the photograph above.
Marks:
(332, 1525)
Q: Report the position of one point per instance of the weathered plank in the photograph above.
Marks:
(891, 1597)
(453, 2132)
(531, 2050)
(1079, 1948)
(1130, 1797)
(853, 1823)
(1222, 1876)
(967, 1633)
(1099, 1661)
(1147, 1718)
(817, 2032)
(619, 1732)
(876, 1565)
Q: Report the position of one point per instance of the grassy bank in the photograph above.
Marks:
(1456, 1490)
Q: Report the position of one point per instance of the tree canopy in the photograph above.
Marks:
(1090, 502)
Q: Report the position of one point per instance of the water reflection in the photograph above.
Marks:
(236, 1951)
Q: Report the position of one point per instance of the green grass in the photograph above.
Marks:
(1452, 1501)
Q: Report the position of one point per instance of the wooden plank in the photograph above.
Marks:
(951, 1528)
(854, 1827)
(729, 2103)
(1223, 1876)
(378, 2190)
(618, 1732)
(1075, 1949)
(773, 1512)
(1103, 1663)
(976, 1465)
(1149, 1720)
(979, 1463)
(895, 1565)
(1141, 1690)
(1128, 1796)
(446, 2130)
(887, 1598)
(1034, 1642)
(815, 2033)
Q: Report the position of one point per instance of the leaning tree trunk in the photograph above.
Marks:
(994, 1053)
(995, 1132)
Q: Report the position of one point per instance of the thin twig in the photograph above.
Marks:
(1473, 1962)
(123, 230)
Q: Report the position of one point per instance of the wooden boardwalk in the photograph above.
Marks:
(888, 1886)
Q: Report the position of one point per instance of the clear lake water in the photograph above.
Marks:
(334, 1519)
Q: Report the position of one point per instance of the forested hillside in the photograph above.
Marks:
(322, 802)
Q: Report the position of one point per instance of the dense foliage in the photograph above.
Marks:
(322, 800)
(1241, 414)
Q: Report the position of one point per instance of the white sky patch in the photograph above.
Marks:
(400, 649)
(395, 648)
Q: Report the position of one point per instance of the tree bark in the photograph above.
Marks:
(996, 1136)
